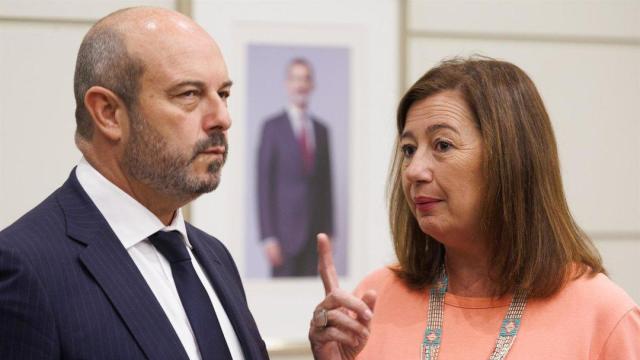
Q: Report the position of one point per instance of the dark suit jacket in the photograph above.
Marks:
(293, 205)
(70, 290)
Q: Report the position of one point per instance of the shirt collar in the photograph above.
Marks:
(294, 111)
(129, 220)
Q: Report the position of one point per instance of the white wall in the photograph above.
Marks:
(36, 112)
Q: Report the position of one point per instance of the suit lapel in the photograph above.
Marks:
(116, 273)
(232, 300)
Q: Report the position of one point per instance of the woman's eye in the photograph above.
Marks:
(443, 146)
(408, 150)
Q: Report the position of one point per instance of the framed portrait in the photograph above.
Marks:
(297, 131)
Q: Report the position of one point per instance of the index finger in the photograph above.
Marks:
(326, 268)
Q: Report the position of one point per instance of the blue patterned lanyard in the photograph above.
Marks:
(433, 333)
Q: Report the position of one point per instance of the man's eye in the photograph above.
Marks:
(224, 95)
(408, 150)
(189, 93)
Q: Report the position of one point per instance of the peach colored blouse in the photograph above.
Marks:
(591, 318)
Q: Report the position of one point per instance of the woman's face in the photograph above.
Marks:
(442, 169)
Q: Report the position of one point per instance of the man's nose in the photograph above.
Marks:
(216, 116)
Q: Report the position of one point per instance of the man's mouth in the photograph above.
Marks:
(215, 150)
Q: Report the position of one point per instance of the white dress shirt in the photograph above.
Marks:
(295, 118)
(133, 224)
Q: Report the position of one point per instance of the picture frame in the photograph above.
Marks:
(289, 199)
(297, 297)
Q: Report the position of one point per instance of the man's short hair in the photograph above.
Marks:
(299, 61)
(103, 60)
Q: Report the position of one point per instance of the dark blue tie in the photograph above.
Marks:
(193, 296)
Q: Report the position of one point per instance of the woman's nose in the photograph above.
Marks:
(419, 169)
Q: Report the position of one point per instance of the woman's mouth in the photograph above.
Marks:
(425, 203)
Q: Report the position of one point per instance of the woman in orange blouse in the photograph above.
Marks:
(491, 265)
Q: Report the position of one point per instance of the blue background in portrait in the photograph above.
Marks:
(266, 96)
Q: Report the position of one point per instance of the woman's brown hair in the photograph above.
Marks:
(536, 242)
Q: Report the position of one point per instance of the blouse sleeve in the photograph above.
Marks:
(624, 340)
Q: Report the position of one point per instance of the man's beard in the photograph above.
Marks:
(149, 158)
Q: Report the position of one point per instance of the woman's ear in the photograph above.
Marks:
(106, 109)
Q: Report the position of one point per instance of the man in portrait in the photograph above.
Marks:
(294, 179)
(106, 267)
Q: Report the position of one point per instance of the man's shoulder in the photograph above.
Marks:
(274, 125)
(276, 118)
(36, 225)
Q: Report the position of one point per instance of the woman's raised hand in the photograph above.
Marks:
(340, 324)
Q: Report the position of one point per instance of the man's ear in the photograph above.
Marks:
(107, 110)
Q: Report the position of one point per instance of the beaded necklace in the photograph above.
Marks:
(433, 333)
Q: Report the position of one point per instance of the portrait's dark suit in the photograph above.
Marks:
(70, 290)
(294, 204)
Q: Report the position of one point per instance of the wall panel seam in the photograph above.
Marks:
(47, 20)
(546, 38)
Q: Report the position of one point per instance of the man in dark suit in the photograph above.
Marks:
(106, 267)
(294, 180)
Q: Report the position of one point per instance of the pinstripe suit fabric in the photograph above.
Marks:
(70, 290)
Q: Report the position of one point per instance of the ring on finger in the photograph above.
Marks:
(322, 319)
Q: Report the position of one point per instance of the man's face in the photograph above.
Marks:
(150, 158)
(177, 135)
(299, 84)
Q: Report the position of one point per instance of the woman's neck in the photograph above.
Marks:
(468, 274)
